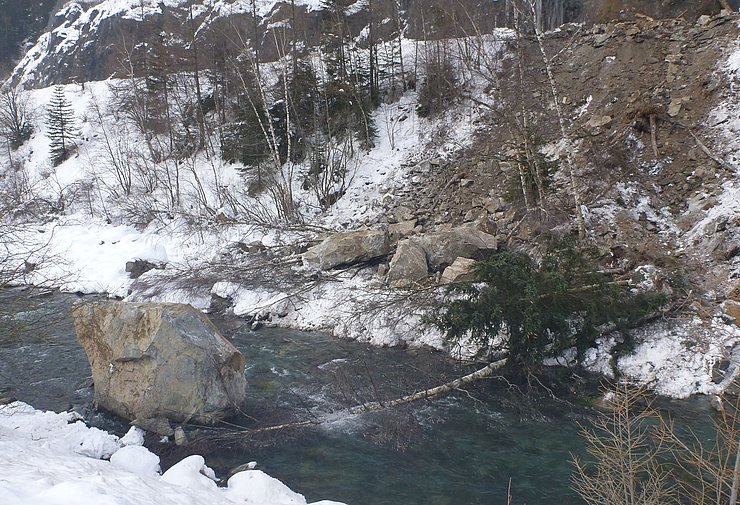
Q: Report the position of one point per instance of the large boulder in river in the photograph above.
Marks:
(444, 247)
(160, 360)
(347, 248)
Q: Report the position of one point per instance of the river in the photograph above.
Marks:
(463, 449)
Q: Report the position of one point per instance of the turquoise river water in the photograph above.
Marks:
(462, 449)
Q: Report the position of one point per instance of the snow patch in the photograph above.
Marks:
(42, 466)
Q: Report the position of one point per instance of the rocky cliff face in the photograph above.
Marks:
(90, 40)
(20, 23)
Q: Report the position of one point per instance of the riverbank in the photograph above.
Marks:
(461, 448)
(54, 458)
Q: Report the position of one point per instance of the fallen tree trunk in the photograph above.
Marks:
(484, 372)
(706, 150)
(653, 136)
(447, 387)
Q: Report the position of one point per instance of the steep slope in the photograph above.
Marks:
(20, 23)
(89, 39)
(650, 151)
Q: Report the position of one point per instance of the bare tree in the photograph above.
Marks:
(16, 116)
(638, 456)
(117, 154)
(260, 97)
(711, 471)
(535, 11)
(625, 466)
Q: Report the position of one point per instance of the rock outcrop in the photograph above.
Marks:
(160, 360)
(347, 249)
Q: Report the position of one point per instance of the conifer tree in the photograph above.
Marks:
(60, 126)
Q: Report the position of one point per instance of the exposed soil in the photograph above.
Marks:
(611, 80)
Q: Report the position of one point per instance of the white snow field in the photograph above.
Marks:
(55, 459)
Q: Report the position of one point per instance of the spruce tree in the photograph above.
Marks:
(60, 126)
(542, 309)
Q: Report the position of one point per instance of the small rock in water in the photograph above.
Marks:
(246, 466)
(716, 403)
(180, 437)
(158, 425)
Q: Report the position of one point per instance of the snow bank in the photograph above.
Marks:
(53, 459)
(674, 358)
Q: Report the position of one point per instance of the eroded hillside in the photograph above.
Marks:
(643, 202)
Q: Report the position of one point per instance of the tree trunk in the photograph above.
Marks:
(479, 374)
(482, 373)
(654, 136)
(561, 122)
(196, 74)
(400, 45)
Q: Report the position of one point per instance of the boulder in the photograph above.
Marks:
(408, 265)
(401, 230)
(461, 270)
(674, 108)
(701, 202)
(482, 223)
(597, 123)
(139, 267)
(493, 204)
(346, 249)
(442, 248)
(403, 214)
(160, 360)
(732, 309)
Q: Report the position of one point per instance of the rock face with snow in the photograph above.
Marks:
(86, 39)
(152, 360)
(347, 249)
